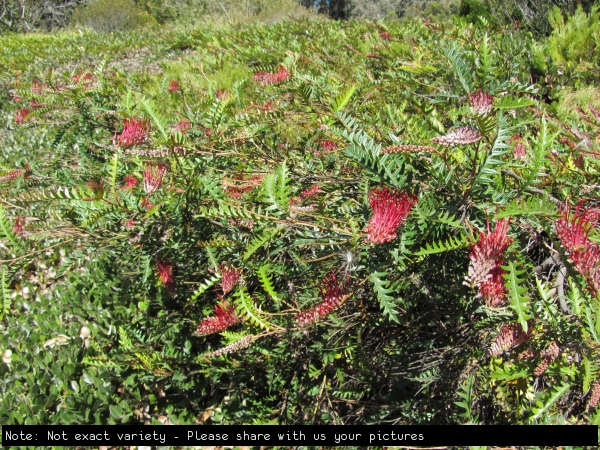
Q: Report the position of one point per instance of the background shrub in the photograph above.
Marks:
(108, 16)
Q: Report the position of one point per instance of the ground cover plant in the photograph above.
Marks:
(305, 222)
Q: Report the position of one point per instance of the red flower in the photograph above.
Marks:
(510, 336)
(390, 208)
(224, 317)
(230, 278)
(332, 295)
(129, 223)
(519, 150)
(131, 181)
(492, 290)
(135, 132)
(86, 80)
(305, 195)
(487, 254)
(146, 204)
(222, 93)
(385, 35)
(265, 78)
(165, 271)
(18, 226)
(21, 116)
(173, 86)
(183, 126)
(153, 176)
(13, 175)
(584, 254)
(327, 145)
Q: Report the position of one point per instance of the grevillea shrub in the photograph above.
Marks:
(404, 238)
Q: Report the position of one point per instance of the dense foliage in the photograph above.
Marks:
(305, 222)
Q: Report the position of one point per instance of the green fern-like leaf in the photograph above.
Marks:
(225, 210)
(205, 285)
(6, 231)
(590, 371)
(267, 282)
(493, 157)
(533, 206)
(453, 243)
(62, 193)
(232, 336)
(515, 289)
(99, 362)
(160, 122)
(544, 406)
(218, 241)
(385, 301)
(245, 308)
(512, 102)
(462, 71)
(5, 293)
(468, 395)
(261, 240)
(277, 191)
(125, 342)
(342, 100)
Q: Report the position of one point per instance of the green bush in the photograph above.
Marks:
(573, 47)
(309, 222)
(108, 16)
(472, 10)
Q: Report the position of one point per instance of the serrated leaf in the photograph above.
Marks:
(246, 309)
(544, 406)
(261, 240)
(453, 243)
(342, 100)
(518, 302)
(386, 302)
(205, 285)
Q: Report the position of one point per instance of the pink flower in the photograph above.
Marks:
(305, 195)
(13, 175)
(129, 223)
(265, 78)
(224, 317)
(385, 35)
(487, 254)
(18, 226)
(460, 136)
(332, 295)
(135, 132)
(390, 208)
(153, 176)
(519, 150)
(146, 204)
(131, 181)
(173, 86)
(183, 126)
(327, 145)
(21, 116)
(481, 103)
(230, 278)
(165, 271)
(510, 336)
(222, 94)
(574, 235)
(493, 290)
(86, 80)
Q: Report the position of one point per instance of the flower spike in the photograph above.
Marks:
(390, 208)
